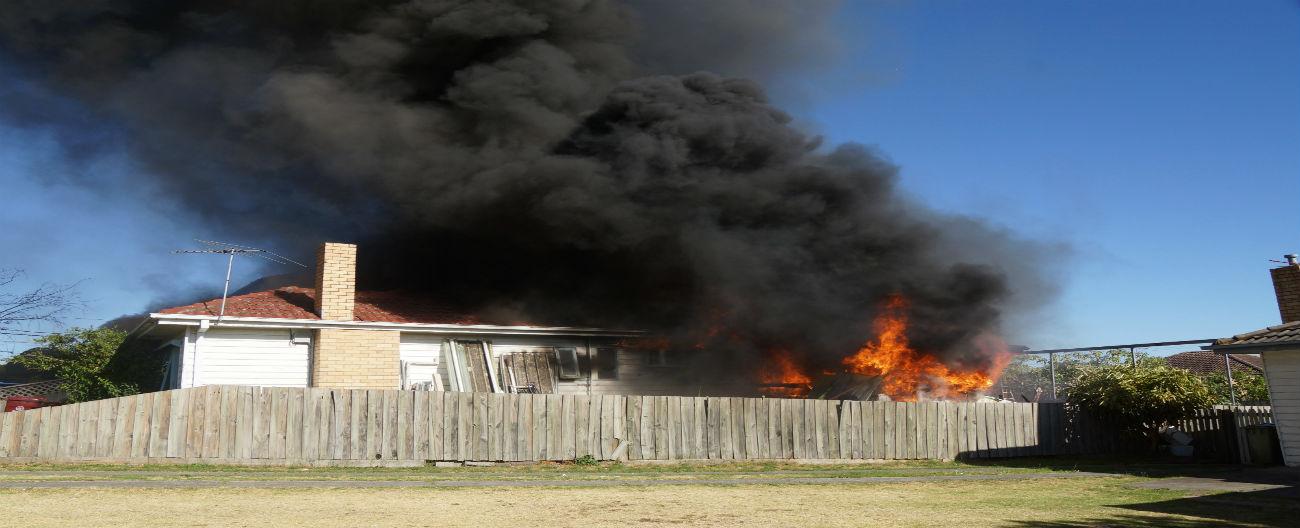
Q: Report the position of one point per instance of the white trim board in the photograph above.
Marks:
(261, 322)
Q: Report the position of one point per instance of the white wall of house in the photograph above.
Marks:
(422, 358)
(281, 358)
(1282, 367)
(245, 356)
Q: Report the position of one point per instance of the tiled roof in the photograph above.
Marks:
(1283, 333)
(1206, 362)
(295, 302)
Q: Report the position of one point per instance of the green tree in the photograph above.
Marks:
(1251, 387)
(77, 358)
(1143, 399)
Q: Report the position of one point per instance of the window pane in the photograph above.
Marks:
(568, 362)
(606, 363)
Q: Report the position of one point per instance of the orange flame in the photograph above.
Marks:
(905, 372)
(783, 377)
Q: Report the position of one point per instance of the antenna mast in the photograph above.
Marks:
(223, 248)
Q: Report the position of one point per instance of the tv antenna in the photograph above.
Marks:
(224, 248)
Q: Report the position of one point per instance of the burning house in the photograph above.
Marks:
(334, 336)
(555, 163)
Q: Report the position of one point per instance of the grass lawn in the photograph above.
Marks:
(1022, 502)
(543, 471)
(1083, 502)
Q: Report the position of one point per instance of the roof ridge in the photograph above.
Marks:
(297, 302)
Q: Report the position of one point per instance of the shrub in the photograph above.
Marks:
(1251, 387)
(77, 358)
(1142, 399)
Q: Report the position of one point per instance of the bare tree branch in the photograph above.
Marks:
(46, 303)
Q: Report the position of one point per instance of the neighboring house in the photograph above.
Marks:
(1279, 346)
(17, 380)
(1205, 362)
(333, 336)
(50, 390)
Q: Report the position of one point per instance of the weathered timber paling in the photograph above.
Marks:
(317, 426)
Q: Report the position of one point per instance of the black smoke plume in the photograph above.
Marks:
(555, 160)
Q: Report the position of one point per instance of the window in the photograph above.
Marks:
(607, 363)
(420, 376)
(568, 363)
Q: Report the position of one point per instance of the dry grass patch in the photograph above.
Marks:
(1074, 502)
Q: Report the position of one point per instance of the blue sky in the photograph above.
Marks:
(1159, 140)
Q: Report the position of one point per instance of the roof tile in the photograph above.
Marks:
(1283, 333)
(1206, 362)
(295, 302)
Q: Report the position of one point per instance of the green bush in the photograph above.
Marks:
(77, 358)
(1142, 399)
(1251, 387)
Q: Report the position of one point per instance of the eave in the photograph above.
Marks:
(163, 319)
(1254, 348)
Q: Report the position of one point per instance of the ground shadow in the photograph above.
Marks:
(1130, 520)
(1221, 494)
(1146, 466)
(1277, 507)
(1225, 509)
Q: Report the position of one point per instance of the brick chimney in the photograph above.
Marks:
(336, 281)
(1286, 283)
(348, 358)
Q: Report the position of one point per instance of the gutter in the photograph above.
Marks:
(426, 328)
(1269, 345)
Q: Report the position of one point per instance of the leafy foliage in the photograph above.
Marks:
(1141, 399)
(1251, 387)
(78, 358)
(1028, 372)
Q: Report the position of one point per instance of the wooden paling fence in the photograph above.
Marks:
(262, 425)
(1243, 416)
(1212, 433)
(1219, 433)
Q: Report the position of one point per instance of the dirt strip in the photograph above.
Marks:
(521, 483)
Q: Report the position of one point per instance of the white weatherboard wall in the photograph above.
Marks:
(281, 358)
(422, 356)
(1282, 367)
(245, 356)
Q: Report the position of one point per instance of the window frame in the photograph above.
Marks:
(560, 356)
(606, 362)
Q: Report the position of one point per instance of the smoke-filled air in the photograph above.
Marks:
(578, 162)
